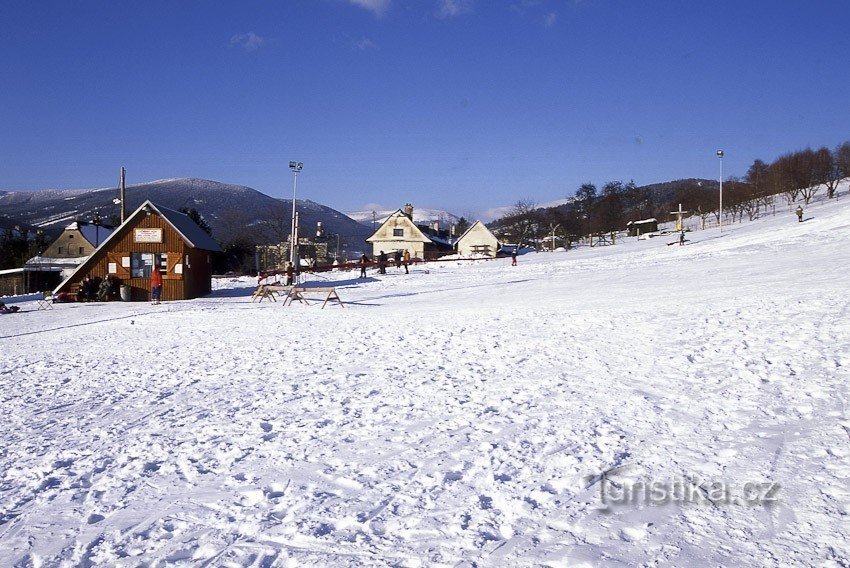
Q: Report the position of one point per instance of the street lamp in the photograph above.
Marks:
(296, 168)
(720, 155)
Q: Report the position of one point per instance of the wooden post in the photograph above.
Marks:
(123, 195)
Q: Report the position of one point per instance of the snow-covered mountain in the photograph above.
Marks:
(421, 215)
(228, 208)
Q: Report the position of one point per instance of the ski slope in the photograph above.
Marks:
(458, 416)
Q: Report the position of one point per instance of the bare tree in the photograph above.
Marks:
(826, 171)
(842, 160)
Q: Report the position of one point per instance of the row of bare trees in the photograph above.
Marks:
(795, 176)
(790, 178)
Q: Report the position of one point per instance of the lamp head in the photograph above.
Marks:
(296, 166)
(720, 153)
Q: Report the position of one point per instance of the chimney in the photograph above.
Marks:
(436, 225)
(408, 210)
(319, 232)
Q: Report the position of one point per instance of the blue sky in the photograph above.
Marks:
(460, 104)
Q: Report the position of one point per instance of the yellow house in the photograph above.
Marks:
(399, 232)
(476, 241)
(77, 240)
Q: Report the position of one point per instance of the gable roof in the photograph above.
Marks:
(472, 226)
(424, 238)
(188, 229)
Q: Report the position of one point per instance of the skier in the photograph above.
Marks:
(513, 256)
(682, 238)
(406, 258)
(364, 261)
(382, 263)
(799, 213)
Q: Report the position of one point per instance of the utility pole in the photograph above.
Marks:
(123, 194)
(720, 155)
(295, 167)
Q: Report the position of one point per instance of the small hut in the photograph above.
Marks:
(152, 236)
(477, 240)
(638, 228)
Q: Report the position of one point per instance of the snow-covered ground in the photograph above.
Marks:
(458, 416)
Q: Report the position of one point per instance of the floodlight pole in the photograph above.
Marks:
(295, 167)
(720, 217)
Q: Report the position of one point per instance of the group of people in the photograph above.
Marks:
(94, 289)
(400, 259)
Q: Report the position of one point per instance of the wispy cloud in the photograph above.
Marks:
(365, 43)
(452, 8)
(378, 7)
(248, 42)
(550, 19)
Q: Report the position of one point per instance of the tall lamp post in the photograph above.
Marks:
(296, 168)
(720, 155)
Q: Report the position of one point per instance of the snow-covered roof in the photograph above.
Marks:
(642, 221)
(45, 260)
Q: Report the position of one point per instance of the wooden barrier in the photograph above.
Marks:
(298, 292)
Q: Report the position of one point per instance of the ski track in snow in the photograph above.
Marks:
(455, 417)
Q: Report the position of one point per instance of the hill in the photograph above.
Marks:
(229, 209)
(463, 411)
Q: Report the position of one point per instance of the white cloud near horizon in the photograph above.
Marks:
(377, 7)
(248, 42)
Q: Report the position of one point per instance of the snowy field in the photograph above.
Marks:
(458, 416)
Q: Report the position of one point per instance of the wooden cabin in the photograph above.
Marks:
(638, 228)
(477, 240)
(152, 235)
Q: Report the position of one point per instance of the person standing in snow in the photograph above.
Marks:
(406, 260)
(289, 271)
(382, 263)
(364, 261)
(682, 237)
(513, 257)
(156, 285)
(397, 259)
(799, 213)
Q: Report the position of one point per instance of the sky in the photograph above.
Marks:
(458, 104)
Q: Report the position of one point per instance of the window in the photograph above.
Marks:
(61, 250)
(398, 232)
(82, 250)
(70, 236)
(141, 263)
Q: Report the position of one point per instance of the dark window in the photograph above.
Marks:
(70, 236)
(61, 250)
(398, 232)
(82, 250)
(141, 263)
